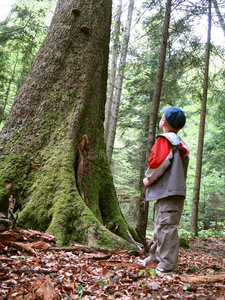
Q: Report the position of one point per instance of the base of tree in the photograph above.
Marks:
(54, 204)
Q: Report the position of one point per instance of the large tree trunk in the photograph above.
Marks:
(143, 206)
(54, 159)
(112, 76)
(116, 101)
(194, 213)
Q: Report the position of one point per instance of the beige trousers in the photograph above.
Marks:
(167, 216)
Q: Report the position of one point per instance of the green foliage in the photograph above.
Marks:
(182, 86)
(212, 233)
(145, 273)
(80, 289)
(183, 243)
(187, 287)
(20, 38)
(142, 272)
(153, 272)
(103, 282)
(192, 269)
(185, 234)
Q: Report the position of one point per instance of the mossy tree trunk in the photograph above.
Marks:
(53, 157)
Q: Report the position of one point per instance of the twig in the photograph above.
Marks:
(133, 240)
(88, 249)
(144, 242)
(14, 220)
(78, 247)
(210, 267)
(20, 271)
(12, 203)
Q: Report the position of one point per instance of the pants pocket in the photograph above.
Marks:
(169, 217)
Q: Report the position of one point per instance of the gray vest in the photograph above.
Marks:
(173, 180)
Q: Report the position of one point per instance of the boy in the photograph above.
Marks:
(165, 182)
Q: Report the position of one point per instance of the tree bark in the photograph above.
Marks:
(143, 153)
(53, 158)
(59, 5)
(121, 68)
(143, 206)
(195, 202)
(112, 77)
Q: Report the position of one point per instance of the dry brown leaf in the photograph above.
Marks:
(21, 247)
(40, 245)
(105, 273)
(96, 256)
(16, 296)
(42, 288)
(10, 235)
(2, 248)
(117, 275)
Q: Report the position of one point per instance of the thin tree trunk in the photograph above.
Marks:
(215, 226)
(9, 87)
(112, 77)
(143, 206)
(142, 163)
(219, 15)
(116, 102)
(143, 153)
(194, 214)
(22, 76)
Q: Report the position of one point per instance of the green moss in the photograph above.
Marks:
(14, 168)
(101, 187)
(52, 201)
(91, 112)
(55, 204)
(102, 237)
(51, 180)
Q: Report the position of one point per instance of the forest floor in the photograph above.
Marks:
(32, 267)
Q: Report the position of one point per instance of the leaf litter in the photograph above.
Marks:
(33, 267)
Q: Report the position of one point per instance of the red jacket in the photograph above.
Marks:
(161, 160)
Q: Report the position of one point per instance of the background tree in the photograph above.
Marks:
(143, 207)
(220, 17)
(201, 132)
(115, 36)
(182, 86)
(53, 158)
(118, 88)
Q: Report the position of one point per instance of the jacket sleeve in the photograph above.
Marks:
(159, 159)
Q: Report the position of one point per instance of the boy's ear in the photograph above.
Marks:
(164, 122)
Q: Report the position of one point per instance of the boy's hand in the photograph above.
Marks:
(184, 149)
(146, 182)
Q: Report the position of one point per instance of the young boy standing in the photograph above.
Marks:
(165, 182)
